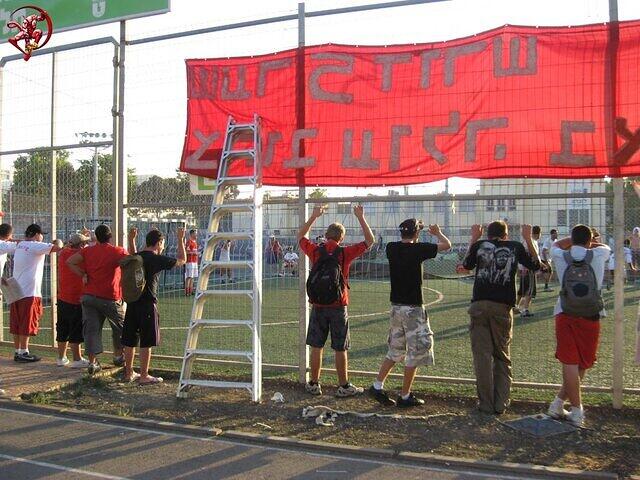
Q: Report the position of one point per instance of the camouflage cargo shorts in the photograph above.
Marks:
(410, 336)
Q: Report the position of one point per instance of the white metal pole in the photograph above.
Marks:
(53, 260)
(120, 167)
(618, 286)
(303, 261)
(1, 194)
(95, 212)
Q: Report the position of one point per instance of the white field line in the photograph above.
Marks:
(62, 468)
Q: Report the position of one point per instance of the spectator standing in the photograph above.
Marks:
(545, 258)
(290, 262)
(495, 261)
(528, 288)
(410, 336)
(332, 318)
(191, 267)
(28, 269)
(225, 256)
(70, 289)
(635, 246)
(628, 262)
(142, 321)
(580, 265)
(7, 245)
(99, 269)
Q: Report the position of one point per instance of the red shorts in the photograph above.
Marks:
(576, 340)
(24, 317)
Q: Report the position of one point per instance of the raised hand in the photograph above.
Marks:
(434, 229)
(358, 211)
(180, 232)
(318, 210)
(476, 231)
(526, 231)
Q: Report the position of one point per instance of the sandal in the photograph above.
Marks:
(134, 376)
(150, 380)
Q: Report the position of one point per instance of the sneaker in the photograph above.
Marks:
(547, 289)
(26, 358)
(382, 397)
(313, 388)
(349, 390)
(526, 314)
(94, 368)
(576, 417)
(556, 410)
(82, 363)
(516, 310)
(118, 361)
(412, 401)
(61, 362)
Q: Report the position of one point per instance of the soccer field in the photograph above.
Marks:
(532, 349)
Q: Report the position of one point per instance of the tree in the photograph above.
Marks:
(318, 193)
(32, 175)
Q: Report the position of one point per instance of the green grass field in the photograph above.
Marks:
(532, 350)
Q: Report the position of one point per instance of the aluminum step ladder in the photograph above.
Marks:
(235, 133)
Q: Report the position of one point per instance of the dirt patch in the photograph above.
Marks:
(453, 427)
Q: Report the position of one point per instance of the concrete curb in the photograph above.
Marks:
(402, 457)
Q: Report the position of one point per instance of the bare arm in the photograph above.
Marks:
(57, 245)
(369, 239)
(182, 254)
(476, 233)
(74, 263)
(563, 243)
(304, 229)
(444, 243)
(133, 235)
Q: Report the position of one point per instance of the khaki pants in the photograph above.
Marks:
(491, 329)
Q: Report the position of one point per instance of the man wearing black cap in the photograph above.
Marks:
(28, 268)
(100, 271)
(410, 335)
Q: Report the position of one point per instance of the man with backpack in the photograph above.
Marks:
(495, 261)
(410, 335)
(328, 290)
(580, 263)
(142, 322)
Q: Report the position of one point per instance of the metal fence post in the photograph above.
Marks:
(1, 198)
(119, 167)
(53, 259)
(618, 299)
(303, 265)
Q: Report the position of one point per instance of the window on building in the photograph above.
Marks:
(490, 206)
(501, 205)
(562, 218)
(466, 206)
(577, 216)
(511, 203)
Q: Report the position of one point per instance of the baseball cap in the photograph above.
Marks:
(33, 229)
(410, 225)
(78, 238)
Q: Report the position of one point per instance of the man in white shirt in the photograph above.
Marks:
(290, 261)
(7, 245)
(545, 258)
(28, 268)
(628, 263)
(580, 265)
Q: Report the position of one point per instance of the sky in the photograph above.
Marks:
(155, 98)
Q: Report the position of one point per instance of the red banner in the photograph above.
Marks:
(512, 102)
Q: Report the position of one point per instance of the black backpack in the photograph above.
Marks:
(326, 284)
(580, 296)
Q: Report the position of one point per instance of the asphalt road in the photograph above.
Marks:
(36, 446)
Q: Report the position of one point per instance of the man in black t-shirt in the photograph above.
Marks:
(141, 321)
(494, 295)
(410, 334)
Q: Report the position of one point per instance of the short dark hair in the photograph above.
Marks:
(5, 230)
(535, 230)
(192, 231)
(153, 238)
(497, 229)
(581, 235)
(627, 241)
(103, 233)
(552, 231)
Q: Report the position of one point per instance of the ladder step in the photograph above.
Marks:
(230, 154)
(236, 181)
(230, 236)
(224, 292)
(219, 353)
(232, 264)
(234, 207)
(204, 322)
(241, 126)
(216, 384)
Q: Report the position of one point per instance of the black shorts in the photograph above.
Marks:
(528, 287)
(141, 323)
(329, 319)
(69, 323)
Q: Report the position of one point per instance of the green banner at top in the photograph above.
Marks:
(73, 14)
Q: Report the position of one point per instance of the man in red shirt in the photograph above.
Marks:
(99, 269)
(191, 267)
(332, 318)
(70, 288)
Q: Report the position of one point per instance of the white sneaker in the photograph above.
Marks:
(82, 363)
(349, 390)
(62, 362)
(313, 388)
(556, 410)
(576, 417)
